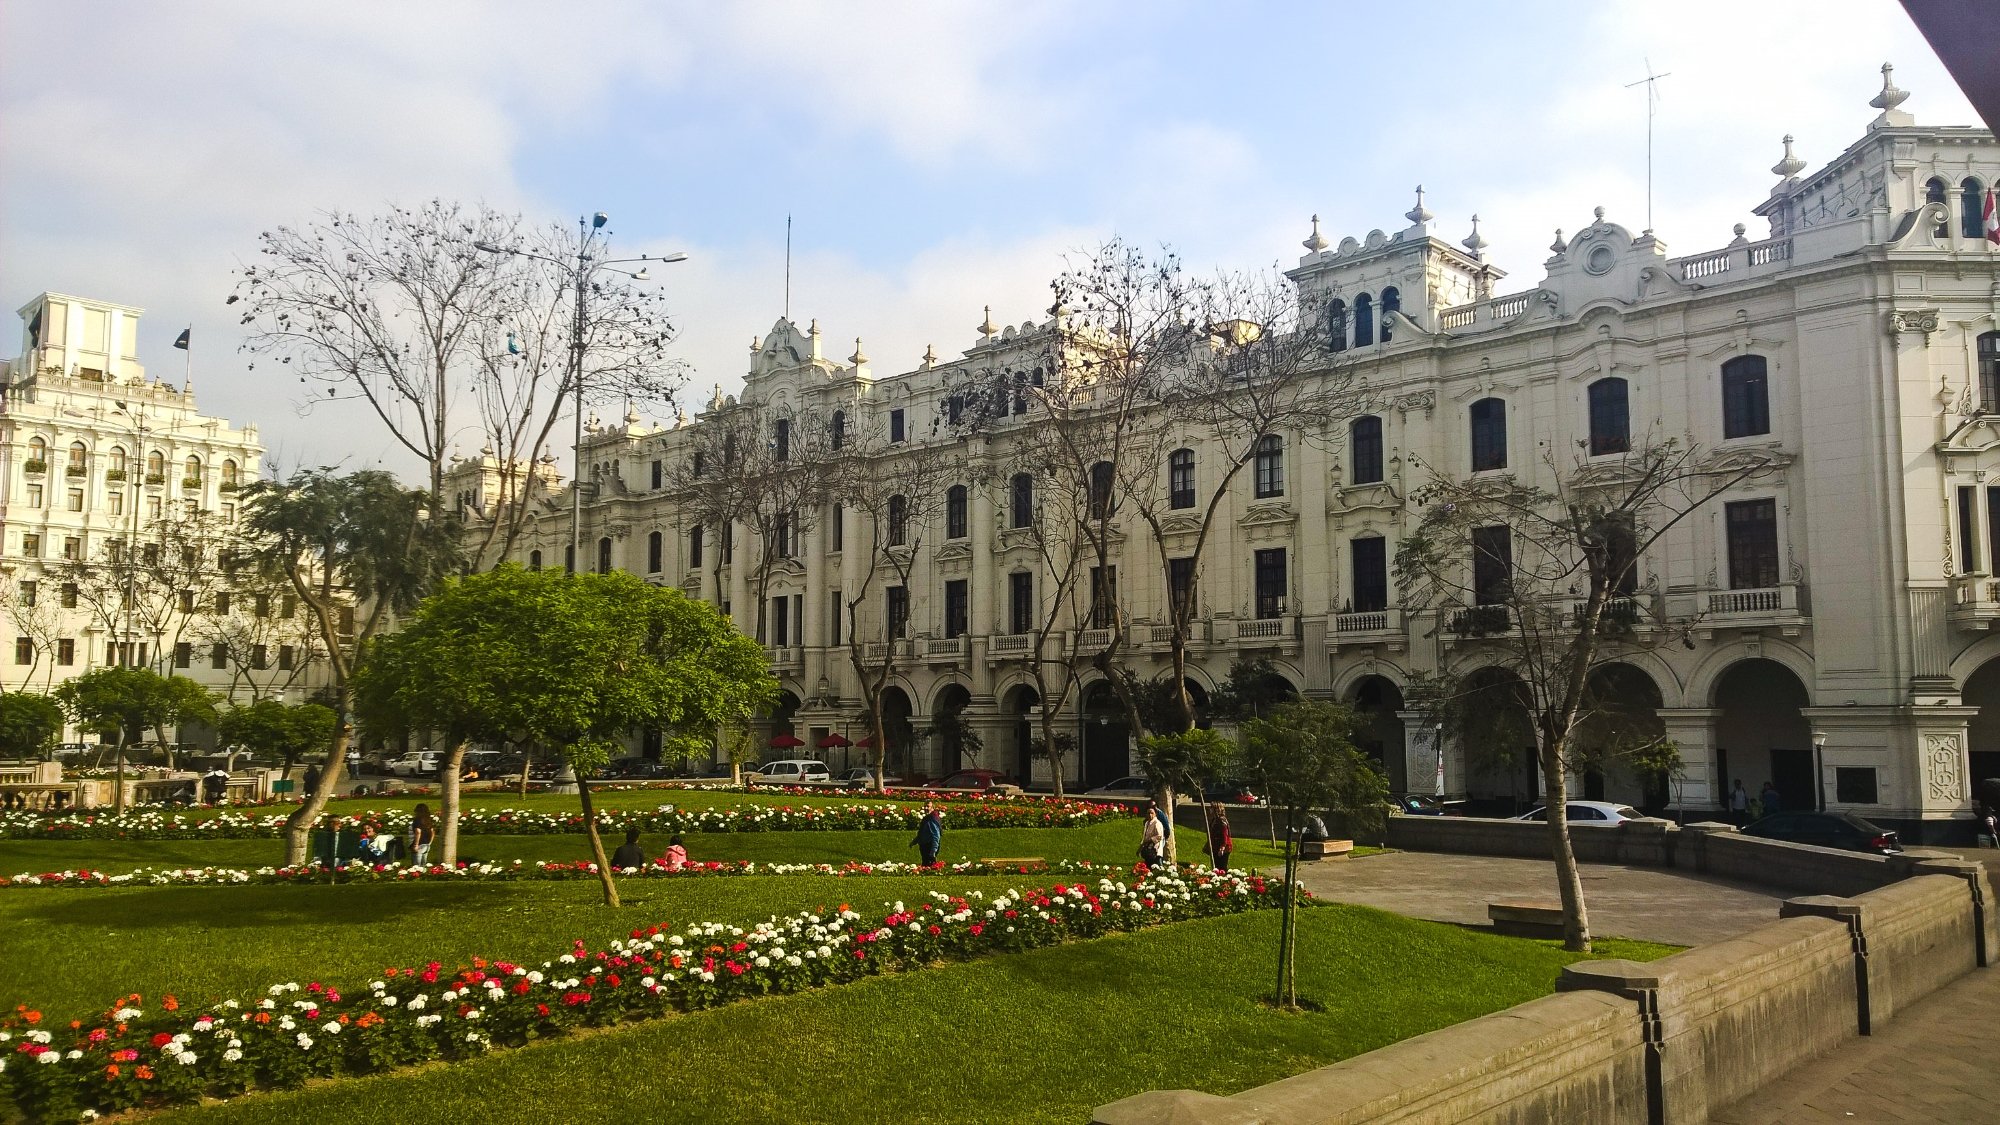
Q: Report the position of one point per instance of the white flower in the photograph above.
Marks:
(535, 977)
(232, 1055)
(72, 1056)
(305, 1041)
(332, 1027)
(48, 1058)
(185, 1058)
(389, 1001)
(235, 1044)
(124, 1014)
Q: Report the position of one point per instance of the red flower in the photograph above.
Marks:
(126, 1055)
(161, 1039)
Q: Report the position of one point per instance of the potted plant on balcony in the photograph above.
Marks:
(190, 483)
(114, 474)
(35, 466)
(74, 470)
(156, 478)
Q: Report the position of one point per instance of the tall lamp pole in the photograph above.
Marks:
(588, 241)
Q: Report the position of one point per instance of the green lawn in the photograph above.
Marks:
(1041, 1036)
(1108, 842)
(636, 798)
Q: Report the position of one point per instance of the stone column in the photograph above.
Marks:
(983, 592)
(1421, 747)
(740, 610)
(812, 631)
(1699, 791)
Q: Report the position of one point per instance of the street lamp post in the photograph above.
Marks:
(580, 273)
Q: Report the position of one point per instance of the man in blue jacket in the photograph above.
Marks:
(930, 835)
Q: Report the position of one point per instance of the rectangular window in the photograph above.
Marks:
(1621, 556)
(899, 611)
(69, 595)
(1746, 397)
(1103, 597)
(839, 608)
(29, 590)
(1753, 543)
(1020, 602)
(728, 543)
(24, 650)
(1369, 557)
(260, 657)
(1992, 525)
(286, 655)
(782, 440)
(781, 621)
(66, 652)
(34, 496)
(659, 473)
(700, 464)
(221, 602)
(1269, 467)
(76, 499)
(955, 520)
(31, 546)
(1855, 785)
(837, 530)
(261, 605)
(152, 507)
(896, 425)
(73, 548)
(694, 546)
(954, 409)
(114, 502)
(1365, 436)
(289, 605)
(1968, 537)
(218, 655)
(781, 536)
(956, 608)
(1492, 565)
(1180, 479)
(1180, 586)
(1489, 435)
(187, 601)
(1269, 568)
(183, 654)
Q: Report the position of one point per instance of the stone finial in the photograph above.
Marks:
(859, 357)
(1597, 213)
(930, 355)
(1316, 243)
(1739, 230)
(1419, 214)
(1791, 165)
(987, 328)
(1475, 241)
(715, 400)
(756, 345)
(631, 415)
(1560, 245)
(680, 417)
(1890, 97)
(814, 330)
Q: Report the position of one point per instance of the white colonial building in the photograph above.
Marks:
(101, 470)
(1841, 605)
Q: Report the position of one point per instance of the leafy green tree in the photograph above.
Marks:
(1251, 690)
(570, 662)
(30, 723)
(124, 702)
(289, 731)
(357, 549)
(1304, 756)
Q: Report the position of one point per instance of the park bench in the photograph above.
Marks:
(1526, 918)
(1325, 849)
(1022, 861)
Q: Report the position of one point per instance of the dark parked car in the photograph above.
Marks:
(635, 769)
(1231, 793)
(1828, 830)
(991, 781)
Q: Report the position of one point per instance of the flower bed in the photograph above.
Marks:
(153, 824)
(135, 1056)
(517, 871)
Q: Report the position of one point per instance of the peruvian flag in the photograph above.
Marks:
(1991, 227)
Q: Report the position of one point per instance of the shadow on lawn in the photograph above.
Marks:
(248, 907)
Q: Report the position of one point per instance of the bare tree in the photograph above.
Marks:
(27, 605)
(1544, 580)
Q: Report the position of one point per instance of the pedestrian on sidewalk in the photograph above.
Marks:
(1769, 799)
(930, 836)
(1151, 838)
(1739, 804)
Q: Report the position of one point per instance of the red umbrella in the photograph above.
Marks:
(833, 740)
(867, 743)
(787, 741)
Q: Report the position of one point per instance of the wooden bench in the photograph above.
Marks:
(1022, 861)
(1325, 849)
(1526, 918)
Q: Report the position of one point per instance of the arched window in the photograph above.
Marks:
(1364, 438)
(1270, 465)
(1101, 503)
(79, 457)
(837, 429)
(1021, 501)
(1934, 193)
(156, 467)
(534, 560)
(1989, 373)
(1610, 418)
(899, 518)
(1336, 325)
(38, 450)
(954, 512)
(1489, 435)
(1364, 321)
(118, 459)
(655, 548)
(1392, 301)
(229, 474)
(1972, 209)
(1180, 478)
(604, 555)
(694, 546)
(191, 476)
(1746, 397)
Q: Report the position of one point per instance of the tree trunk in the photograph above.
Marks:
(298, 827)
(118, 778)
(454, 762)
(1569, 881)
(596, 842)
(1285, 962)
(1049, 750)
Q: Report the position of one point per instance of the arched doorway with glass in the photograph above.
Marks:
(1762, 734)
(1019, 705)
(958, 744)
(1378, 729)
(1106, 736)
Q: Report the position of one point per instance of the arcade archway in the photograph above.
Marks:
(1762, 734)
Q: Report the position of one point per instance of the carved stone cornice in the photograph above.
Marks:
(1913, 320)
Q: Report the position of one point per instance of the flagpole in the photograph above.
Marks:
(187, 379)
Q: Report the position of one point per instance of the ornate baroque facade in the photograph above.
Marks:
(1842, 604)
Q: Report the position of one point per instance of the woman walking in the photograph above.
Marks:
(423, 832)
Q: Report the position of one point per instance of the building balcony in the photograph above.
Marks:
(1281, 632)
(1160, 638)
(1375, 627)
(1477, 622)
(1975, 601)
(1090, 642)
(943, 650)
(785, 658)
(1784, 607)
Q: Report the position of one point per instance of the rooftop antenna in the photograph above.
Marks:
(1652, 84)
(788, 267)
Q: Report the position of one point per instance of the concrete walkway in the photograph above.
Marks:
(1631, 902)
(1936, 1061)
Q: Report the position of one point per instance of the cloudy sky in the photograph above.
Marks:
(936, 157)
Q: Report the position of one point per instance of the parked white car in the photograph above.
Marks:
(793, 771)
(1131, 786)
(1589, 812)
(423, 763)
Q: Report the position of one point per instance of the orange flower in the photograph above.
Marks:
(32, 1016)
(169, 1003)
(111, 1071)
(260, 1017)
(145, 1073)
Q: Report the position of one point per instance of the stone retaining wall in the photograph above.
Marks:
(1663, 1043)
